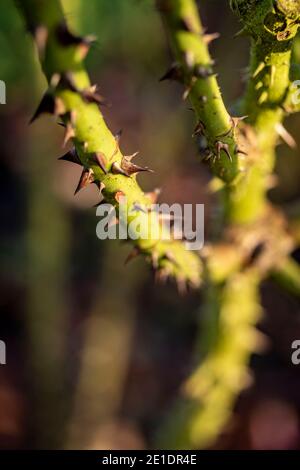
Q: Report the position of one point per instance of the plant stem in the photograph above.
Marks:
(267, 91)
(72, 99)
(232, 292)
(190, 46)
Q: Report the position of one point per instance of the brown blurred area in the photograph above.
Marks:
(96, 351)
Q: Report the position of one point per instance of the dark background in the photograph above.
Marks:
(97, 351)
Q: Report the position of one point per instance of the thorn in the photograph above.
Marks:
(127, 168)
(263, 97)
(101, 187)
(67, 81)
(90, 95)
(260, 67)
(153, 196)
(130, 157)
(199, 129)
(154, 259)
(241, 32)
(130, 168)
(161, 275)
(181, 285)
(170, 257)
(71, 156)
(272, 181)
(69, 134)
(86, 178)
(202, 71)
(236, 120)
(119, 195)
(285, 135)
(101, 160)
(49, 104)
(117, 170)
(117, 139)
(186, 93)
(222, 146)
(187, 25)
(189, 59)
(208, 38)
(66, 39)
(133, 254)
(54, 80)
(242, 152)
(259, 85)
(41, 36)
(118, 135)
(173, 73)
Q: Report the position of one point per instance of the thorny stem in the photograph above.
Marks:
(232, 293)
(71, 98)
(194, 67)
(272, 32)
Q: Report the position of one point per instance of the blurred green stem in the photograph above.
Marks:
(231, 302)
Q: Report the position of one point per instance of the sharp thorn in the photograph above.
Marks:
(69, 134)
(71, 156)
(101, 160)
(208, 38)
(86, 178)
(133, 254)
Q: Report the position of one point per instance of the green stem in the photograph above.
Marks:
(231, 312)
(272, 31)
(195, 69)
(231, 298)
(74, 101)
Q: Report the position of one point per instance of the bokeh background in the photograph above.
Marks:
(96, 351)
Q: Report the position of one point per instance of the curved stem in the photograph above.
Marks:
(71, 98)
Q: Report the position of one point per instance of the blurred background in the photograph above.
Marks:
(96, 351)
